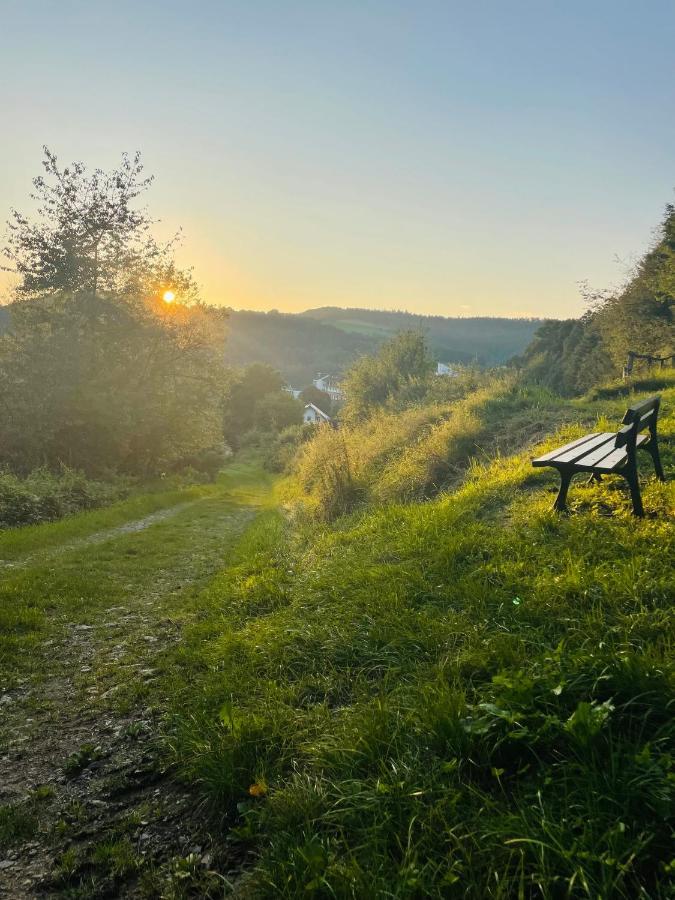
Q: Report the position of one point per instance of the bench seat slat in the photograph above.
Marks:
(553, 453)
(599, 441)
(597, 457)
(571, 456)
(612, 460)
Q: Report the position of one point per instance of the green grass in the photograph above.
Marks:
(57, 576)
(17, 822)
(470, 697)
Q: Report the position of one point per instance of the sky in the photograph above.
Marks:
(455, 158)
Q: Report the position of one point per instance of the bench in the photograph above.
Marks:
(609, 453)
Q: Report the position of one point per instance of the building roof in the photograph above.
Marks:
(318, 411)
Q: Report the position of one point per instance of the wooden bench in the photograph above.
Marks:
(609, 453)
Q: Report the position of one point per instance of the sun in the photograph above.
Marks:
(168, 296)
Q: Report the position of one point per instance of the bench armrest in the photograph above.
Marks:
(623, 435)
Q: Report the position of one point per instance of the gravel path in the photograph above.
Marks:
(80, 759)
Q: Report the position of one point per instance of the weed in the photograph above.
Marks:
(80, 759)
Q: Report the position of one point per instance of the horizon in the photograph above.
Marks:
(374, 309)
(445, 160)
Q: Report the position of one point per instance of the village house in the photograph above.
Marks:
(330, 385)
(444, 369)
(312, 415)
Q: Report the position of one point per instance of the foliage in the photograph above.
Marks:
(44, 496)
(575, 355)
(485, 340)
(412, 453)
(464, 698)
(256, 405)
(296, 346)
(87, 237)
(373, 380)
(331, 340)
(96, 370)
(319, 398)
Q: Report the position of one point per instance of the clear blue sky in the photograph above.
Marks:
(445, 157)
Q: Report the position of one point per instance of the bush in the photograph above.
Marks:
(44, 496)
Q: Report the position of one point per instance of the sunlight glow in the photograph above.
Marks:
(169, 296)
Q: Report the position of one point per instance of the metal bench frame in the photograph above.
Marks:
(609, 454)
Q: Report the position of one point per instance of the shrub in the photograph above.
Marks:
(44, 496)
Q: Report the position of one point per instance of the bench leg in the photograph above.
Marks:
(631, 477)
(561, 500)
(653, 448)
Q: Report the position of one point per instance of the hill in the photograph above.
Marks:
(573, 355)
(467, 697)
(330, 339)
(487, 340)
(297, 347)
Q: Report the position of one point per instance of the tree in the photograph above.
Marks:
(373, 380)
(312, 394)
(575, 355)
(88, 235)
(96, 370)
(256, 400)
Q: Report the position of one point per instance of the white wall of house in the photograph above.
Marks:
(329, 385)
(312, 415)
(444, 369)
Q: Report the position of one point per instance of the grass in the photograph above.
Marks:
(58, 576)
(470, 697)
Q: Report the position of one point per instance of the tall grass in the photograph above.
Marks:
(412, 454)
(471, 697)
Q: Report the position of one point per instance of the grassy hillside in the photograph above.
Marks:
(469, 697)
(487, 340)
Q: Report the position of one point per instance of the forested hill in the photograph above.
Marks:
(330, 339)
(485, 339)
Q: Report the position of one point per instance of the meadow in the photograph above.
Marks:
(466, 697)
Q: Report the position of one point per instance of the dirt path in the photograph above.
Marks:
(98, 537)
(85, 807)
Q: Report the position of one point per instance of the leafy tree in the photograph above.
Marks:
(256, 400)
(87, 237)
(96, 370)
(277, 411)
(319, 398)
(573, 356)
(373, 380)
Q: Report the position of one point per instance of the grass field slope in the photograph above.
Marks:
(466, 697)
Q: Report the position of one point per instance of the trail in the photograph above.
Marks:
(78, 750)
(98, 537)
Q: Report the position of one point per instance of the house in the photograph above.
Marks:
(292, 391)
(443, 369)
(330, 385)
(315, 416)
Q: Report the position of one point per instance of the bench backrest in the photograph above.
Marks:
(642, 415)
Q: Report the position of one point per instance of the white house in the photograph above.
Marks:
(443, 369)
(330, 385)
(315, 416)
(292, 391)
